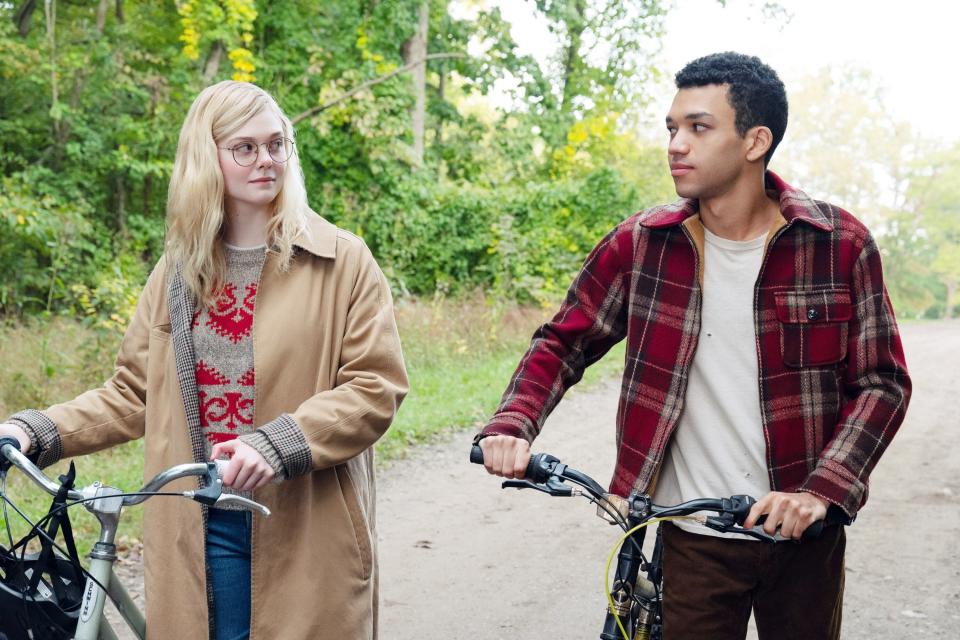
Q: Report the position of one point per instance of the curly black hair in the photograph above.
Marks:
(755, 91)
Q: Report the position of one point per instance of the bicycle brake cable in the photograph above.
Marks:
(37, 527)
(616, 547)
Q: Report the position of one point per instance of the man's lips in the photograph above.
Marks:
(678, 169)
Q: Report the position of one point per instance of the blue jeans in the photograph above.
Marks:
(228, 558)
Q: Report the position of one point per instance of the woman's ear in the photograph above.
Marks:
(759, 140)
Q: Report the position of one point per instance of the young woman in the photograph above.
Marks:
(264, 335)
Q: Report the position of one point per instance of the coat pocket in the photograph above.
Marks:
(813, 326)
(160, 331)
(359, 521)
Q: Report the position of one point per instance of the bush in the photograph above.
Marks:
(46, 241)
(523, 242)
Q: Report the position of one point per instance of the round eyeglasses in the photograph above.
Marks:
(246, 153)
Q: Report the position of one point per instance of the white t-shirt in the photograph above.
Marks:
(717, 448)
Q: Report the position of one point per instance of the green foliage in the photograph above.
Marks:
(850, 151)
(504, 200)
(45, 239)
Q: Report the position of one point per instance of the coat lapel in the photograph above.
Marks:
(180, 303)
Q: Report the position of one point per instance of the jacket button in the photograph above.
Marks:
(812, 314)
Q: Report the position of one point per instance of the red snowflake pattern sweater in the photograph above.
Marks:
(223, 343)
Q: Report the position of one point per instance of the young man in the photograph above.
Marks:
(762, 358)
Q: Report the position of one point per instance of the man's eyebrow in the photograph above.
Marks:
(696, 115)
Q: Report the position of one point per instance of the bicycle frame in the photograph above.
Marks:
(92, 623)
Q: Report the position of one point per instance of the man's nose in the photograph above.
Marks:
(678, 145)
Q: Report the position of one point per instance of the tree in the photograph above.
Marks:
(935, 198)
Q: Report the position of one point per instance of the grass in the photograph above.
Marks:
(460, 355)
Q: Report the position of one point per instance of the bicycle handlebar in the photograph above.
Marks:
(546, 473)
(10, 455)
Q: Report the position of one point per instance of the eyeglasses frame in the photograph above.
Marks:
(233, 151)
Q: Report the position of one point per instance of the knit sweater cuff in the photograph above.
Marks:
(291, 446)
(45, 444)
(259, 441)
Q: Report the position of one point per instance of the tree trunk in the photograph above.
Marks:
(147, 194)
(50, 13)
(24, 16)
(951, 298)
(102, 15)
(119, 11)
(121, 204)
(212, 67)
(415, 48)
(441, 89)
(572, 62)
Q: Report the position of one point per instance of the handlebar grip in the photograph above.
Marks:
(812, 532)
(476, 457)
(4, 441)
(476, 454)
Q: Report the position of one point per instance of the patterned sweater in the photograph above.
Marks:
(223, 343)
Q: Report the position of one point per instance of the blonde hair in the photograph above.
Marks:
(195, 211)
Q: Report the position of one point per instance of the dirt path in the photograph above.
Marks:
(461, 558)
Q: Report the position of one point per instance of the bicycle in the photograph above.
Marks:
(634, 602)
(45, 597)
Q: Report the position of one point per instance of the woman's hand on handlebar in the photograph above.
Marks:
(247, 469)
(16, 431)
(792, 512)
(505, 456)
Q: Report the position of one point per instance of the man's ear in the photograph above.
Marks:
(758, 140)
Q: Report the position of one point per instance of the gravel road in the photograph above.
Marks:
(461, 558)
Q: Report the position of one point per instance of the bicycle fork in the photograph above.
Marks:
(629, 594)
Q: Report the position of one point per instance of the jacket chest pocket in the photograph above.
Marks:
(813, 326)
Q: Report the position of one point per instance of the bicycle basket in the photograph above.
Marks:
(51, 611)
(40, 593)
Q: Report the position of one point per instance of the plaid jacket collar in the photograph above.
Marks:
(794, 205)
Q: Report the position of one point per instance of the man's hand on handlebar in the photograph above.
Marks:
(792, 512)
(16, 431)
(505, 456)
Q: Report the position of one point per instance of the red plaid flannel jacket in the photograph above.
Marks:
(833, 380)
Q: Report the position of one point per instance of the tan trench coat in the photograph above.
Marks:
(326, 355)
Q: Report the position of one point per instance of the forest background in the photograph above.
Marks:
(479, 176)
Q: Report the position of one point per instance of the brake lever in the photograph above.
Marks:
(727, 524)
(553, 486)
(212, 485)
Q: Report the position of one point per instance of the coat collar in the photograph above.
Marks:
(318, 237)
(794, 205)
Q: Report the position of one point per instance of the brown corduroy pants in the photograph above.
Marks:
(710, 586)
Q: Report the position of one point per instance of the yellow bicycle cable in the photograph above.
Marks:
(616, 546)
